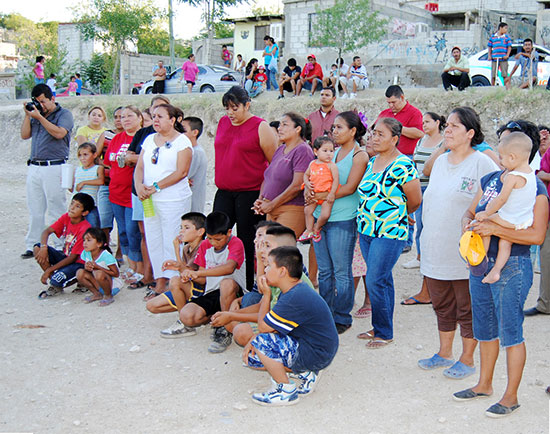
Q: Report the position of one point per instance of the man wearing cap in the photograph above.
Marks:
(311, 76)
(456, 71)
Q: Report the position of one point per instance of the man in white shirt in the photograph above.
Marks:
(356, 78)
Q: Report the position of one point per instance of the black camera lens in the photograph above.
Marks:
(29, 106)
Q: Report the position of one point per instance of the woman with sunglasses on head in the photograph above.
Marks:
(497, 308)
(161, 174)
(120, 191)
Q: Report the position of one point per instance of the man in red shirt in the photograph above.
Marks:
(408, 115)
(311, 76)
(411, 118)
(322, 119)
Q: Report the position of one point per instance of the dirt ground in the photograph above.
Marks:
(107, 370)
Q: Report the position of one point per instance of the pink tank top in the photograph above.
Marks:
(240, 161)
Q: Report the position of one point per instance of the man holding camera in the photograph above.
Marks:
(49, 125)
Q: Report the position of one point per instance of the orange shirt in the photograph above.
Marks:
(320, 176)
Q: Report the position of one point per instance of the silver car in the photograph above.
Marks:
(212, 78)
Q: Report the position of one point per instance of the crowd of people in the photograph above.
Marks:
(349, 189)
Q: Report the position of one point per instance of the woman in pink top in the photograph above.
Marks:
(38, 70)
(244, 147)
(190, 71)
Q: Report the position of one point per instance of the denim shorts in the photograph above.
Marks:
(64, 276)
(497, 309)
(250, 298)
(282, 349)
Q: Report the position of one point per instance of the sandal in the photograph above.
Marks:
(106, 302)
(366, 335)
(127, 274)
(459, 370)
(377, 343)
(136, 285)
(150, 294)
(363, 312)
(90, 299)
(316, 237)
(306, 236)
(136, 277)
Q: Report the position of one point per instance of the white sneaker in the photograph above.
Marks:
(308, 381)
(177, 330)
(352, 95)
(279, 394)
(413, 263)
(344, 96)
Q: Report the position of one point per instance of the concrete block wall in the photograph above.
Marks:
(516, 6)
(543, 27)
(78, 49)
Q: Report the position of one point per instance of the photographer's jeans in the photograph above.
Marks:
(497, 309)
(44, 194)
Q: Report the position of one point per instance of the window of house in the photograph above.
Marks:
(259, 33)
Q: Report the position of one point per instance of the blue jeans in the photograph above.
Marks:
(419, 225)
(93, 218)
(104, 207)
(334, 257)
(381, 254)
(497, 309)
(410, 238)
(271, 79)
(128, 233)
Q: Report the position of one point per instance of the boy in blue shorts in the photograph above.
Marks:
(219, 277)
(58, 266)
(297, 335)
(186, 246)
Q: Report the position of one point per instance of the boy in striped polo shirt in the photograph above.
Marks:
(500, 46)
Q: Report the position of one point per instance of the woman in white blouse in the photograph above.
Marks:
(161, 174)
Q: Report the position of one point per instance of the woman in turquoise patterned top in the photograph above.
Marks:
(388, 192)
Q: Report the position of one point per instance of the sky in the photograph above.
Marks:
(187, 19)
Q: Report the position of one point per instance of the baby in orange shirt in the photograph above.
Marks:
(322, 176)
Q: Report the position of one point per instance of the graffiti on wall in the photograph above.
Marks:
(419, 50)
(402, 28)
(545, 35)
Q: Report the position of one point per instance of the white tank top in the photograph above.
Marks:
(518, 209)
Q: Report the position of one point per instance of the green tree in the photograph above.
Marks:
(157, 41)
(347, 26)
(115, 23)
(214, 12)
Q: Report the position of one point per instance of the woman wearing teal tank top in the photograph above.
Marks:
(334, 251)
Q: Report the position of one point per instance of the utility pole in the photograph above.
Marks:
(171, 30)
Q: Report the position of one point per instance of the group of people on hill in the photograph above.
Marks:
(349, 189)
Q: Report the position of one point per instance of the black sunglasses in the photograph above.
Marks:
(155, 156)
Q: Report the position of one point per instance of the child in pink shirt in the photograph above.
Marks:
(73, 86)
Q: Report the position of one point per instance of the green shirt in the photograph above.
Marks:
(462, 63)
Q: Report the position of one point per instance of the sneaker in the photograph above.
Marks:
(413, 263)
(342, 328)
(308, 381)
(280, 97)
(344, 96)
(221, 341)
(352, 95)
(177, 330)
(279, 394)
(52, 291)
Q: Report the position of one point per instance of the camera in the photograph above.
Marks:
(30, 106)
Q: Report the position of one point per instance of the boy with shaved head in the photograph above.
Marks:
(513, 207)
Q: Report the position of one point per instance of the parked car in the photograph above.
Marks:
(64, 91)
(480, 67)
(212, 78)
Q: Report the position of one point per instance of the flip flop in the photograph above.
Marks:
(459, 371)
(468, 395)
(378, 343)
(136, 277)
(366, 335)
(90, 299)
(415, 302)
(106, 302)
(136, 285)
(150, 295)
(363, 312)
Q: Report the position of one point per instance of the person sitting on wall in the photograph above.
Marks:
(456, 71)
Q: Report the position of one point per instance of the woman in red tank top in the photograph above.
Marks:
(244, 147)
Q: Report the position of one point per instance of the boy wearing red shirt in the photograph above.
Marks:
(61, 266)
